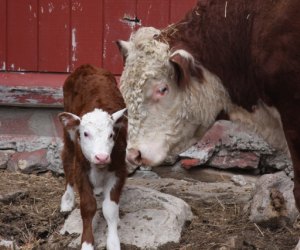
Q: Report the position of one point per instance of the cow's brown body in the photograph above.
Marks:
(255, 51)
(251, 46)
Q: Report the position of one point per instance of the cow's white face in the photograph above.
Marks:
(164, 98)
(95, 133)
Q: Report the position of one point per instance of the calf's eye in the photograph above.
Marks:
(85, 134)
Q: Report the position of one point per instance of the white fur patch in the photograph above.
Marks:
(102, 179)
(97, 177)
(87, 246)
(72, 134)
(68, 199)
(95, 131)
(111, 215)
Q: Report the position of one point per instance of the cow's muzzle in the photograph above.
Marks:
(134, 156)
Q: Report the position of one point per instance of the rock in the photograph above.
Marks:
(145, 174)
(148, 218)
(236, 159)
(232, 145)
(7, 197)
(239, 180)
(29, 162)
(298, 246)
(145, 168)
(278, 161)
(4, 157)
(189, 163)
(200, 152)
(202, 174)
(54, 156)
(8, 245)
(198, 192)
(273, 201)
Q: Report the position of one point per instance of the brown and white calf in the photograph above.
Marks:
(232, 56)
(94, 148)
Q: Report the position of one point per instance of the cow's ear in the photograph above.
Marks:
(185, 68)
(69, 120)
(123, 48)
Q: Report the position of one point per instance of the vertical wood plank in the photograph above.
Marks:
(179, 9)
(21, 47)
(54, 36)
(2, 35)
(153, 12)
(116, 28)
(87, 32)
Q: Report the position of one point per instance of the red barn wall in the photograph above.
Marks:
(59, 35)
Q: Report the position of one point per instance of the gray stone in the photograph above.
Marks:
(224, 191)
(8, 245)
(146, 216)
(54, 156)
(7, 197)
(145, 174)
(239, 180)
(273, 201)
(279, 161)
(4, 157)
(202, 174)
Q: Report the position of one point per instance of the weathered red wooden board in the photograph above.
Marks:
(31, 89)
(179, 8)
(87, 36)
(21, 46)
(116, 27)
(2, 34)
(154, 13)
(54, 35)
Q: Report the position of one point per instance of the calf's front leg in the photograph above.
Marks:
(110, 208)
(88, 207)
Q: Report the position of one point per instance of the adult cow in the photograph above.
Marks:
(224, 56)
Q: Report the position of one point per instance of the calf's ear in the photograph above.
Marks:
(184, 66)
(117, 117)
(123, 48)
(69, 120)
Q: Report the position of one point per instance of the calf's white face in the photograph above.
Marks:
(168, 108)
(95, 133)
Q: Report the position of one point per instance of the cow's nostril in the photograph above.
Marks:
(134, 156)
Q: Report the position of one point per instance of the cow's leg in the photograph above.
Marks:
(293, 139)
(68, 198)
(88, 207)
(110, 207)
(296, 166)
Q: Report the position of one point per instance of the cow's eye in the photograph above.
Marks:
(111, 135)
(85, 134)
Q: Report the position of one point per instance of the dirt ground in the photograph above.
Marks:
(32, 219)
